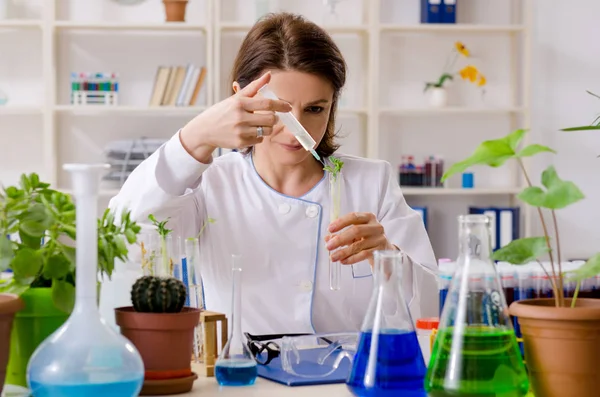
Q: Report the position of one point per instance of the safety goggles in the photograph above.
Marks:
(306, 355)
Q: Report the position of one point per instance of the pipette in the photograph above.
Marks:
(292, 124)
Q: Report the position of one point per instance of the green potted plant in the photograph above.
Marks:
(560, 334)
(9, 305)
(37, 233)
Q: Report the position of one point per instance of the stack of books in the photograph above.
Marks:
(177, 85)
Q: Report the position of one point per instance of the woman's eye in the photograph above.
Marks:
(314, 109)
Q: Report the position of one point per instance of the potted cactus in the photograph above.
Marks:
(162, 329)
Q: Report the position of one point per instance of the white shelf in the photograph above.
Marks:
(451, 28)
(450, 111)
(20, 23)
(335, 29)
(145, 110)
(18, 110)
(432, 191)
(164, 26)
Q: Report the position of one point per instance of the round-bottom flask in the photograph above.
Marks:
(85, 356)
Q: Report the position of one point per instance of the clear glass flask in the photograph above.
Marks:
(388, 360)
(193, 280)
(236, 366)
(475, 351)
(85, 356)
(335, 197)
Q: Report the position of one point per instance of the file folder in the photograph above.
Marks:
(431, 11)
(505, 224)
(448, 12)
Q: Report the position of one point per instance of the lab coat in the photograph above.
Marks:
(285, 277)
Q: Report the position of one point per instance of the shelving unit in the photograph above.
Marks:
(382, 108)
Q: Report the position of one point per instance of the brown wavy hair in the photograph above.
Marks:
(288, 41)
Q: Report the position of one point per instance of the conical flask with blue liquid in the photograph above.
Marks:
(388, 360)
(85, 356)
(475, 351)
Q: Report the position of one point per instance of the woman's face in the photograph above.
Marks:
(311, 98)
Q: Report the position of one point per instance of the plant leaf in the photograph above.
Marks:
(57, 266)
(533, 150)
(559, 194)
(582, 128)
(589, 269)
(13, 287)
(63, 295)
(521, 251)
(26, 265)
(6, 253)
(493, 153)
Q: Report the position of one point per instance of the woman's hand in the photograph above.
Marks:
(232, 123)
(364, 234)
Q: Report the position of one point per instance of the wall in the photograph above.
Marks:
(566, 64)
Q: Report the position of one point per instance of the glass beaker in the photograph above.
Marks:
(475, 351)
(388, 361)
(85, 356)
(236, 366)
(193, 281)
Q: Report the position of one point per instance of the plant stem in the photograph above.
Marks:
(560, 278)
(575, 294)
(558, 293)
(552, 282)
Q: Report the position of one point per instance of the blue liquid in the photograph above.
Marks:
(400, 369)
(443, 294)
(127, 388)
(236, 373)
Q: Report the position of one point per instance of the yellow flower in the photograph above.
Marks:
(460, 47)
(469, 72)
(482, 81)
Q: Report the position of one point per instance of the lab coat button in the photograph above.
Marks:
(284, 208)
(306, 285)
(312, 211)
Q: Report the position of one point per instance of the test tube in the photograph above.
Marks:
(335, 195)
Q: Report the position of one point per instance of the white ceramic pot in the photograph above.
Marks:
(438, 97)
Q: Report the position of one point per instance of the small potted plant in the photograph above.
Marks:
(162, 329)
(175, 10)
(560, 334)
(438, 96)
(37, 234)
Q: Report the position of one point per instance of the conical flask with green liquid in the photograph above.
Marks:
(475, 353)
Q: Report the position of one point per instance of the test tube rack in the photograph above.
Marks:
(94, 89)
(210, 343)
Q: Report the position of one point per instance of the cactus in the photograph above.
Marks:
(158, 295)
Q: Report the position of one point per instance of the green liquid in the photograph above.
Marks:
(482, 362)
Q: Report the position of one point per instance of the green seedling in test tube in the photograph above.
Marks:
(335, 194)
(163, 232)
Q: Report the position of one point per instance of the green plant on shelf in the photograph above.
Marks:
(37, 240)
(555, 194)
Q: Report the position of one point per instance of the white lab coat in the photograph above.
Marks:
(285, 278)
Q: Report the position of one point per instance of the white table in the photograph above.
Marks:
(204, 386)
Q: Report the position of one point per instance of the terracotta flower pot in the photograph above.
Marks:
(562, 346)
(9, 305)
(175, 10)
(164, 340)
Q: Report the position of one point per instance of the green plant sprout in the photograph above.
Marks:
(163, 232)
(594, 126)
(556, 194)
(37, 234)
(204, 224)
(334, 171)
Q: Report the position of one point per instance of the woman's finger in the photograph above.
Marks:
(361, 256)
(353, 234)
(353, 218)
(253, 132)
(251, 89)
(261, 119)
(356, 248)
(259, 103)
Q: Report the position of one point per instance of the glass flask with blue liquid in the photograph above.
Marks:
(85, 356)
(388, 359)
(236, 366)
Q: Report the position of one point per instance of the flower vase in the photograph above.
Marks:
(438, 97)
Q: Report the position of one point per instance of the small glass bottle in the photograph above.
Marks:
(475, 351)
(388, 360)
(236, 366)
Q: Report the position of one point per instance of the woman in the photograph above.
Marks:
(270, 201)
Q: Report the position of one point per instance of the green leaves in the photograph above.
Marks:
(335, 168)
(57, 266)
(161, 226)
(521, 251)
(589, 269)
(6, 252)
(496, 152)
(559, 193)
(63, 295)
(26, 265)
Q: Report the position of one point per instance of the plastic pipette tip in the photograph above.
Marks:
(314, 153)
